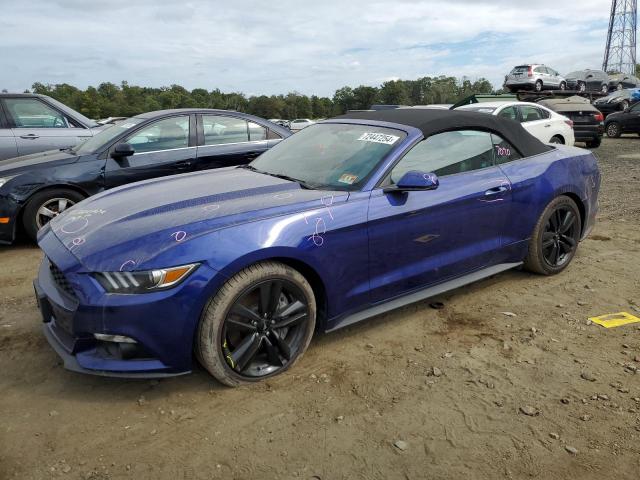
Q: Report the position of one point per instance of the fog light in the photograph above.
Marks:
(113, 338)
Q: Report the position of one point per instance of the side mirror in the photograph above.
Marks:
(122, 150)
(415, 181)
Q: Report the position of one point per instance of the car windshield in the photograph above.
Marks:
(330, 155)
(104, 136)
(478, 108)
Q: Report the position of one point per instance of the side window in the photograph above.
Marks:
(219, 130)
(544, 114)
(32, 113)
(509, 112)
(503, 151)
(257, 132)
(447, 153)
(166, 134)
(273, 135)
(529, 113)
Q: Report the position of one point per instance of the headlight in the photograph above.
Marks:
(143, 282)
(4, 180)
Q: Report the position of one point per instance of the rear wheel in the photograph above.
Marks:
(555, 237)
(258, 324)
(620, 86)
(46, 205)
(538, 86)
(563, 85)
(605, 88)
(582, 87)
(557, 139)
(614, 130)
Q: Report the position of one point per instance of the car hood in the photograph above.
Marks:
(34, 161)
(127, 227)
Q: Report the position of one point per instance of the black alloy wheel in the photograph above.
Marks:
(265, 328)
(555, 238)
(257, 325)
(560, 236)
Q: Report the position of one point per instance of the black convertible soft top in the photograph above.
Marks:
(432, 121)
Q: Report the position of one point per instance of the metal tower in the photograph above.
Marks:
(620, 55)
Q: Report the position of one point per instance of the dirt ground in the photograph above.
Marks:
(464, 392)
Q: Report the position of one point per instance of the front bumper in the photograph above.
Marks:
(8, 209)
(162, 323)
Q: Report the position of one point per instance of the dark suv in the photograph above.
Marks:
(31, 123)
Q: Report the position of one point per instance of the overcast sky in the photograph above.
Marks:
(259, 47)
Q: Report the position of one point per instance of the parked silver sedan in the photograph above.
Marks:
(32, 123)
(534, 76)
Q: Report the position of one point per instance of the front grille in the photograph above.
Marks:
(60, 279)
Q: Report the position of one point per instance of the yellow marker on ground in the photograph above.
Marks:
(612, 320)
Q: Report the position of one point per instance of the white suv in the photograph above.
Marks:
(544, 124)
(535, 77)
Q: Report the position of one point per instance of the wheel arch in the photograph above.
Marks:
(44, 188)
(581, 208)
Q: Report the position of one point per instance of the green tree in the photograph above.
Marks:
(393, 92)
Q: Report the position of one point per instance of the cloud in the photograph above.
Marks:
(288, 45)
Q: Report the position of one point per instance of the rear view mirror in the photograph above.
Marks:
(415, 181)
(122, 150)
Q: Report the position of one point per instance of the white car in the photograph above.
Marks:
(544, 124)
(300, 123)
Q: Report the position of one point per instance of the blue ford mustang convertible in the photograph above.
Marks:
(349, 218)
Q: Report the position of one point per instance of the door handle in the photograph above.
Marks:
(184, 165)
(496, 190)
(30, 136)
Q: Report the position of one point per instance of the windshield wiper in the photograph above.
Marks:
(302, 183)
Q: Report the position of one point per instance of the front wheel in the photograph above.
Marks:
(604, 89)
(46, 205)
(563, 85)
(258, 324)
(582, 87)
(620, 86)
(555, 237)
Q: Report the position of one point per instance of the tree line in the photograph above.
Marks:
(124, 100)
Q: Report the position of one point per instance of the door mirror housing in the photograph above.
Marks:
(122, 150)
(414, 181)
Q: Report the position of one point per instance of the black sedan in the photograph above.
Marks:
(627, 121)
(35, 188)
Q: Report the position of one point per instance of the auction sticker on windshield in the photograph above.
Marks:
(378, 138)
(348, 178)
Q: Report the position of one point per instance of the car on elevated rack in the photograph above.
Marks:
(588, 81)
(534, 76)
(36, 188)
(350, 218)
(620, 81)
(617, 101)
(541, 122)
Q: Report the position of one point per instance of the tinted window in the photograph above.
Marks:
(447, 153)
(219, 130)
(273, 135)
(257, 132)
(503, 151)
(32, 113)
(530, 114)
(104, 136)
(164, 134)
(509, 112)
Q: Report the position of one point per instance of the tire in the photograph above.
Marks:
(595, 143)
(619, 86)
(557, 139)
(614, 130)
(559, 210)
(538, 87)
(563, 85)
(220, 342)
(582, 87)
(55, 201)
(604, 89)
